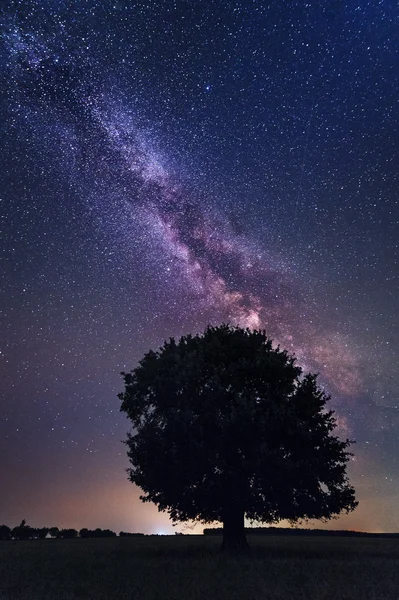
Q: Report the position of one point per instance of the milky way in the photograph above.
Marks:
(150, 191)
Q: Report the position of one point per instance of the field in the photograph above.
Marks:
(191, 568)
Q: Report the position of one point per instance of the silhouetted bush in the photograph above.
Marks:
(127, 534)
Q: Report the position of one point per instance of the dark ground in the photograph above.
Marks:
(190, 568)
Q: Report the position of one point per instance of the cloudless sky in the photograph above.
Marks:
(172, 164)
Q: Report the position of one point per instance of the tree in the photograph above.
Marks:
(108, 533)
(226, 427)
(96, 533)
(84, 533)
(23, 531)
(54, 532)
(5, 532)
(67, 534)
(42, 532)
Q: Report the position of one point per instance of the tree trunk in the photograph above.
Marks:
(234, 538)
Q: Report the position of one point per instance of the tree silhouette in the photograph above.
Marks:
(108, 533)
(84, 533)
(54, 532)
(5, 532)
(67, 534)
(23, 532)
(225, 427)
(96, 533)
(41, 533)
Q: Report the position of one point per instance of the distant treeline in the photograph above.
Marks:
(303, 532)
(26, 532)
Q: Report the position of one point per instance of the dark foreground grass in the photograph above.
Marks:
(191, 568)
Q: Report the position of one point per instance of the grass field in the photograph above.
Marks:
(191, 568)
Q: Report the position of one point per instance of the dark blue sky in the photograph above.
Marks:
(172, 164)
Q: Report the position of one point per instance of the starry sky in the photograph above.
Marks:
(170, 164)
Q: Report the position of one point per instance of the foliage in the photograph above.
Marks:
(96, 533)
(23, 532)
(5, 532)
(54, 531)
(67, 534)
(42, 532)
(226, 425)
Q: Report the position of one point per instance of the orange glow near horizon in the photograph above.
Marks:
(120, 509)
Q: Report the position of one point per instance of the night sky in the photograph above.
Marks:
(171, 164)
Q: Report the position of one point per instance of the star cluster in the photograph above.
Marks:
(169, 165)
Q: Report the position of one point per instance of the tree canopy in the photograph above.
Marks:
(5, 532)
(225, 426)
